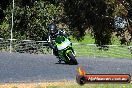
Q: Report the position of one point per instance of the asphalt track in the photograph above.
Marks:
(16, 67)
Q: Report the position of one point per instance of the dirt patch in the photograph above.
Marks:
(36, 85)
(39, 84)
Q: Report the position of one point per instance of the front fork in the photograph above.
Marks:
(64, 54)
(74, 52)
(71, 50)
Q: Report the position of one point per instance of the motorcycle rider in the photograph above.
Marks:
(53, 32)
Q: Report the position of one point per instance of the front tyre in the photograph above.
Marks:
(73, 61)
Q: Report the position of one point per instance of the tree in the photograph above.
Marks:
(95, 15)
(31, 18)
(86, 14)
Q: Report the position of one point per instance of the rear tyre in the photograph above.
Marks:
(72, 61)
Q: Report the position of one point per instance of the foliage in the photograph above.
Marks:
(96, 15)
(31, 18)
(4, 29)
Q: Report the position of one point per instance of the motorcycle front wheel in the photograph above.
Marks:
(72, 61)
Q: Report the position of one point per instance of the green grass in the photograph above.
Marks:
(93, 51)
(102, 86)
(88, 39)
(67, 84)
(74, 85)
(97, 86)
(53, 87)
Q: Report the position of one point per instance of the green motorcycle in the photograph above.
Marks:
(65, 50)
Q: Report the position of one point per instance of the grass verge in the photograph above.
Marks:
(112, 52)
(83, 49)
(62, 84)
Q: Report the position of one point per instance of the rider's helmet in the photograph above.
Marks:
(52, 28)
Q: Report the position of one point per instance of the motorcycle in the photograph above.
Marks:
(65, 50)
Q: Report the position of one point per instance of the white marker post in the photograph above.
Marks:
(12, 27)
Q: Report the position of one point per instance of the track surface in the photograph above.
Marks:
(17, 67)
